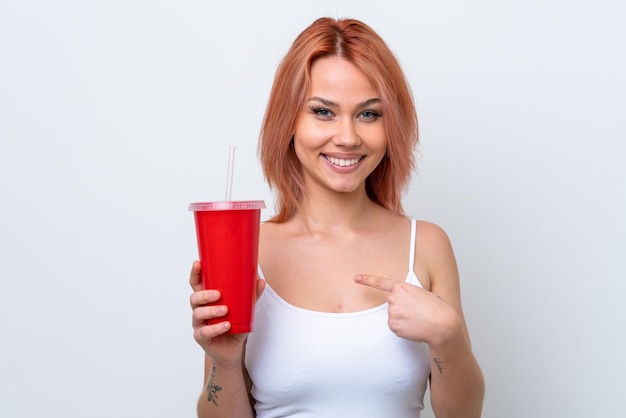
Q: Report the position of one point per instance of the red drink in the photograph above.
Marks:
(228, 246)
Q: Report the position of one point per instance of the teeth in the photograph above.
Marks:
(341, 162)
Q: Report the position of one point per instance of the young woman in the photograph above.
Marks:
(359, 305)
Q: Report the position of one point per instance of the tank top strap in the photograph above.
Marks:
(412, 246)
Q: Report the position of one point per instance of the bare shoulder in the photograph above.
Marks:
(268, 228)
(431, 237)
(435, 259)
(270, 234)
(272, 239)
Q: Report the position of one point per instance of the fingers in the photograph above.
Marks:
(195, 279)
(204, 309)
(205, 333)
(260, 286)
(380, 283)
(204, 297)
(202, 314)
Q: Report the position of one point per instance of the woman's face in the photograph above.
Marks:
(340, 136)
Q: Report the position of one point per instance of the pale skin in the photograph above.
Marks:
(344, 253)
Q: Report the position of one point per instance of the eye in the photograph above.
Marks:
(322, 112)
(370, 115)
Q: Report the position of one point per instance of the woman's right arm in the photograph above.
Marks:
(225, 392)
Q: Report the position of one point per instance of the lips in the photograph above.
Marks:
(343, 162)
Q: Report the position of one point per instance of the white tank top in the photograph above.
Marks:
(309, 364)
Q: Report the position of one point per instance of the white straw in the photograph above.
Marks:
(229, 178)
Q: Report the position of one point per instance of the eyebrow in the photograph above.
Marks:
(330, 103)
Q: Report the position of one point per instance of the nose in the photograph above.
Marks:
(347, 135)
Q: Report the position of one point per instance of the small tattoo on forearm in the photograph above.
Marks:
(212, 388)
(439, 363)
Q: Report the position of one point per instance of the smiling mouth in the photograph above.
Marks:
(341, 162)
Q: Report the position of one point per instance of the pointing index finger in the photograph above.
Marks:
(380, 283)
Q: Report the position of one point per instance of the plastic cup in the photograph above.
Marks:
(228, 246)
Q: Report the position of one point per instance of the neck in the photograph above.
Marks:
(336, 211)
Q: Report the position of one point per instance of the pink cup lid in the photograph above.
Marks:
(232, 205)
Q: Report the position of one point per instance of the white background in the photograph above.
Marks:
(114, 115)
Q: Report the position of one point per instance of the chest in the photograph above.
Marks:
(319, 275)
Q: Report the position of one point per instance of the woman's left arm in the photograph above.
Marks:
(457, 385)
(435, 317)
